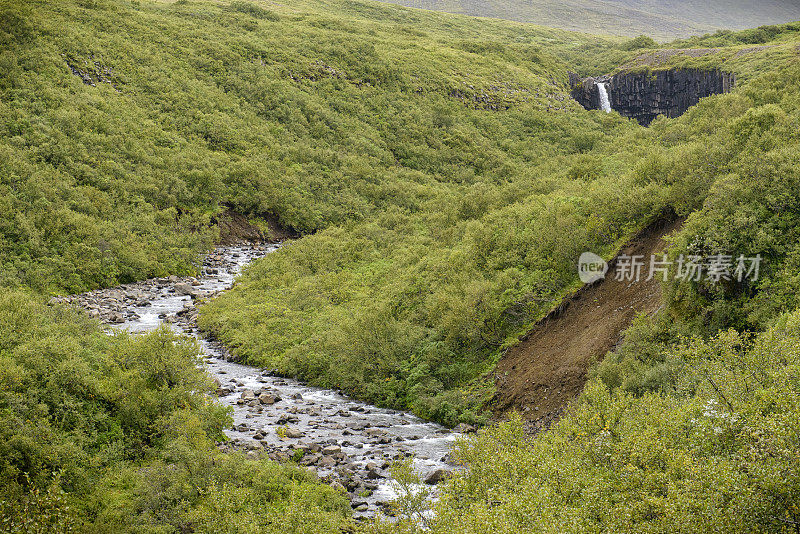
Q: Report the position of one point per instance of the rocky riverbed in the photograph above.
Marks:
(349, 444)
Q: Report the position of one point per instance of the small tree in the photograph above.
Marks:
(413, 497)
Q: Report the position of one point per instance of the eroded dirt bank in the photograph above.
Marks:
(548, 367)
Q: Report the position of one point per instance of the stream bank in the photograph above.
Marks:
(349, 444)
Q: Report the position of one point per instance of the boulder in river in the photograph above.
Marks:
(327, 462)
(293, 433)
(436, 476)
(310, 459)
(267, 398)
(183, 288)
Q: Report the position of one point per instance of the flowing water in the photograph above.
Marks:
(605, 103)
(345, 441)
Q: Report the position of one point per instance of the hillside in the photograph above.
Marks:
(444, 189)
(660, 20)
(128, 130)
(128, 126)
(411, 309)
(549, 366)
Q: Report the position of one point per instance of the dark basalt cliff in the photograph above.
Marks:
(646, 95)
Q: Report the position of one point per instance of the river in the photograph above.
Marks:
(350, 444)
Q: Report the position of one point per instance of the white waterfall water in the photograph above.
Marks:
(605, 103)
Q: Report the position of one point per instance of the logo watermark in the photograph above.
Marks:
(714, 269)
(591, 267)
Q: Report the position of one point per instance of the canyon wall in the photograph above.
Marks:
(645, 95)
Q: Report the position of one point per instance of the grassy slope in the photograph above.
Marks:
(445, 227)
(748, 53)
(267, 111)
(691, 425)
(410, 308)
(660, 20)
(102, 433)
(694, 460)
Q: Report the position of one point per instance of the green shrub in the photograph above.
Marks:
(717, 454)
(638, 43)
(254, 11)
(125, 424)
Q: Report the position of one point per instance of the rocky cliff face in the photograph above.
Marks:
(585, 90)
(645, 95)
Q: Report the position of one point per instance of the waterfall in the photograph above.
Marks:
(605, 103)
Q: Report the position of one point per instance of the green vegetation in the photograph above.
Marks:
(748, 54)
(656, 18)
(446, 187)
(103, 433)
(692, 425)
(639, 42)
(718, 454)
(308, 114)
(411, 309)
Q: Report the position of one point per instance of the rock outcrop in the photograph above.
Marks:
(585, 90)
(644, 95)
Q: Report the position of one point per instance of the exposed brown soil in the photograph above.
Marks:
(235, 228)
(548, 367)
